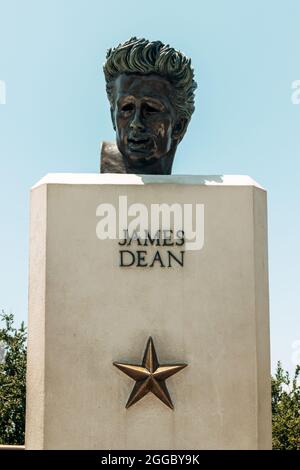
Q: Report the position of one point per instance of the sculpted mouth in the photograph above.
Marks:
(137, 141)
(139, 145)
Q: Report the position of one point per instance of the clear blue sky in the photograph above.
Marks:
(246, 55)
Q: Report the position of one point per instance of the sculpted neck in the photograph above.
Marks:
(162, 166)
(113, 161)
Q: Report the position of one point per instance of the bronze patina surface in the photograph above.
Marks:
(150, 376)
(150, 87)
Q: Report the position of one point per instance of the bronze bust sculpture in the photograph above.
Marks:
(150, 87)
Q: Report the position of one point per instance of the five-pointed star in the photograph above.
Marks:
(150, 376)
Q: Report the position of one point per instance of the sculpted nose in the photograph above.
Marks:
(136, 122)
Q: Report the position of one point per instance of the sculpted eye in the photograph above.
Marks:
(127, 107)
(151, 109)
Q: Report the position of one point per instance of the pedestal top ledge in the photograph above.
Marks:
(132, 179)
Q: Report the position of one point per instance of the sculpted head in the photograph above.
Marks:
(150, 87)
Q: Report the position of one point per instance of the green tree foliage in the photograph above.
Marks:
(286, 409)
(12, 381)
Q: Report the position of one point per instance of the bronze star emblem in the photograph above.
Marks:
(150, 376)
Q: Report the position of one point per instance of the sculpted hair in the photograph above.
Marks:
(140, 56)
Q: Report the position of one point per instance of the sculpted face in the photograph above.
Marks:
(144, 119)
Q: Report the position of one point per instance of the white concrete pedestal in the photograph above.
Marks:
(85, 311)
